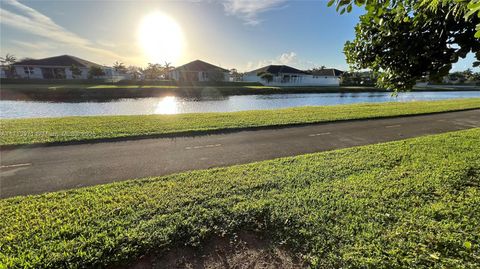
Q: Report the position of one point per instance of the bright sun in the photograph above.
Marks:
(161, 38)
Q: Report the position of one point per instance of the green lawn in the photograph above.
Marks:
(46, 130)
(406, 204)
(132, 87)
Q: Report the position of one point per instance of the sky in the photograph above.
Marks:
(241, 34)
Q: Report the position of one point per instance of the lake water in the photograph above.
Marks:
(176, 105)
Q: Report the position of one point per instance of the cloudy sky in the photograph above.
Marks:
(242, 34)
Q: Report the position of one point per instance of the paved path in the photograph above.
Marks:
(45, 169)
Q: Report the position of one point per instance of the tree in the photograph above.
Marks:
(457, 77)
(7, 63)
(268, 77)
(76, 72)
(407, 40)
(235, 75)
(467, 73)
(119, 67)
(166, 69)
(134, 72)
(95, 72)
(153, 71)
(475, 77)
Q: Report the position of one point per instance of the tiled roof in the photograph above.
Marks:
(199, 66)
(276, 69)
(63, 60)
(326, 72)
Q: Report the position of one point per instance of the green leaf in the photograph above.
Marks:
(349, 8)
(330, 3)
(468, 244)
(359, 3)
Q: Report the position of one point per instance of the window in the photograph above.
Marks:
(28, 70)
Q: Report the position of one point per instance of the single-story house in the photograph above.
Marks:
(283, 75)
(324, 77)
(58, 67)
(199, 71)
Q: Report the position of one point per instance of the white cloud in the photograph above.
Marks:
(30, 20)
(248, 10)
(38, 46)
(288, 58)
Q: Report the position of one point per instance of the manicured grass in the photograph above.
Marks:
(132, 87)
(262, 87)
(47, 130)
(406, 204)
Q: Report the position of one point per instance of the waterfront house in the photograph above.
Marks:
(324, 77)
(199, 71)
(58, 67)
(283, 75)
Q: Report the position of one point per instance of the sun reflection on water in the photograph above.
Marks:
(168, 105)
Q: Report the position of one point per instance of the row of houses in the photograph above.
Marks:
(60, 67)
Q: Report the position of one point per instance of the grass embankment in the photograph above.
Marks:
(48, 130)
(73, 92)
(406, 204)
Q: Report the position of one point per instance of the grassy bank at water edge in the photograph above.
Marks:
(48, 130)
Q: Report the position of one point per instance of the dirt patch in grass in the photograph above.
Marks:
(242, 251)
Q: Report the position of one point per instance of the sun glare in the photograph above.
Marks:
(161, 38)
(168, 105)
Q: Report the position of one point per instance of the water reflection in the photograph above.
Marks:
(168, 105)
(176, 105)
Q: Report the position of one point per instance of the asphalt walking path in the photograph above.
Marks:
(46, 169)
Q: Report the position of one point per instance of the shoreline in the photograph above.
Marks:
(42, 131)
(12, 92)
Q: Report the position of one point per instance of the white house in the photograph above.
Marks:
(323, 77)
(199, 71)
(283, 75)
(58, 67)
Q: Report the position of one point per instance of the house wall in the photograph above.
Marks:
(37, 72)
(83, 70)
(310, 80)
(300, 80)
(20, 72)
(200, 76)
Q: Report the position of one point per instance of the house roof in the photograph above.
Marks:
(276, 69)
(63, 60)
(199, 66)
(326, 72)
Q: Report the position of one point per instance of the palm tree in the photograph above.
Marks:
(8, 62)
(166, 69)
(119, 67)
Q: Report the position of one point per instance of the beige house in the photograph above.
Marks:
(199, 71)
